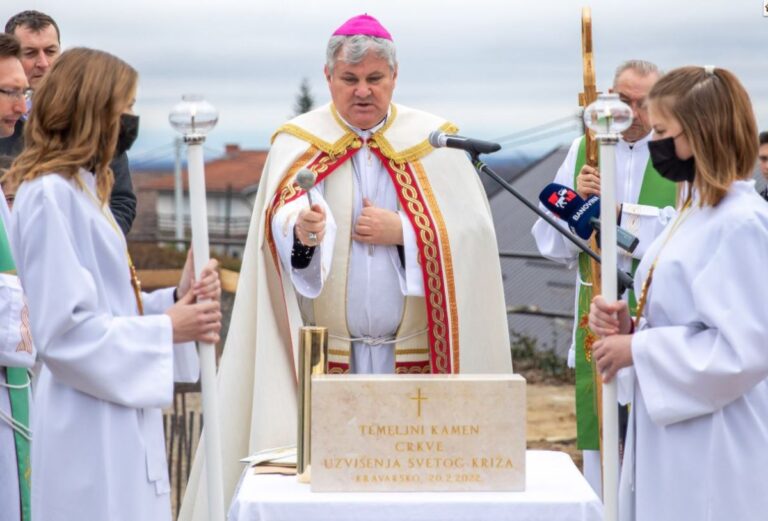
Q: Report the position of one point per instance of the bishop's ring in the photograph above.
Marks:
(312, 237)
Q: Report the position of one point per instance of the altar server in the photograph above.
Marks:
(109, 351)
(699, 426)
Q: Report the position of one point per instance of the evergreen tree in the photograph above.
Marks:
(304, 99)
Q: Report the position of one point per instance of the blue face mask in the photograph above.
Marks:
(666, 162)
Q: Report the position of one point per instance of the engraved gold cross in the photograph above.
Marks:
(419, 398)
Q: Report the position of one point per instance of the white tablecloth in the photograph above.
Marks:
(555, 490)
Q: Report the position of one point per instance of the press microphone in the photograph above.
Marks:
(475, 147)
(582, 216)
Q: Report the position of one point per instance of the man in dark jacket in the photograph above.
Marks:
(40, 42)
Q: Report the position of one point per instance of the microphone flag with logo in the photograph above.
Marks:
(571, 207)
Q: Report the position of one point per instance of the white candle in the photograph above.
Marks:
(199, 215)
(610, 442)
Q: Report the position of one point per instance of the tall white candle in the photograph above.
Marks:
(610, 443)
(199, 215)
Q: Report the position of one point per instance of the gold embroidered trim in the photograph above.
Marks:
(339, 352)
(424, 369)
(423, 351)
(287, 186)
(387, 124)
(411, 154)
(447, 258)
(390, 119)
(349, 139)
(431, 265)
(25, 344)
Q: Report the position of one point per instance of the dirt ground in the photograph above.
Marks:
(552, 419)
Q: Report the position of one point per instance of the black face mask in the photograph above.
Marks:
(129, 131)
(666, 162)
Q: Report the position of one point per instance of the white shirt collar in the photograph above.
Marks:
(640, 143)
(365, 134)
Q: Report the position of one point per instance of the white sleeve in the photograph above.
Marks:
(126, 360)
(16, 349)
(186, 363)
(691, 370)
(549, 241)
(645, 222)
(308, 281)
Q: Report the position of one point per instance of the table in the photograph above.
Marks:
(555, 490)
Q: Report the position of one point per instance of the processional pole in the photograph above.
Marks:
(587, 97)
(608, 117)
(194, 117)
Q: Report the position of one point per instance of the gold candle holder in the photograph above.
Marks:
(313, 359)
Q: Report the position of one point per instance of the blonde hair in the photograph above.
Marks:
(76, 119)
(716, 116)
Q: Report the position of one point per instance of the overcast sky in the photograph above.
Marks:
(492, 67)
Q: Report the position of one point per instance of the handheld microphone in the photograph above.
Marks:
(582, 216)
(475, 147)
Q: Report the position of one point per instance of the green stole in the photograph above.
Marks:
(19, 398)
(655, 191)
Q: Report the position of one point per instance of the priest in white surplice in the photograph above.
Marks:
(646, 200)
(17, 356)
(109, 352)
(698, 432)
(397, 256)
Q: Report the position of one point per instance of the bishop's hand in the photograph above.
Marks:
(378, 226)
(310, 225)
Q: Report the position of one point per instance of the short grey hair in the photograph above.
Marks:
(641, 67)
(352, 50)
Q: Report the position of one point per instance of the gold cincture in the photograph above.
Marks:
(313, 360)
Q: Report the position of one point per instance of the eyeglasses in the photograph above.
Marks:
(18, 94)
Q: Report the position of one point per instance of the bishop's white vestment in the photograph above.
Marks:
(453, 318)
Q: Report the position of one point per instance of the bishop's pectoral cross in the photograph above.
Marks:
(418, 398)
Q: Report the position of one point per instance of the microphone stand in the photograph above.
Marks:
(625, 280)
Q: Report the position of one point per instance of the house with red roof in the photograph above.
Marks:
(231, 183)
